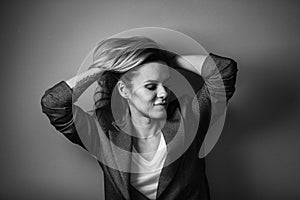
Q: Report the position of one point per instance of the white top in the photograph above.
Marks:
(148, 172)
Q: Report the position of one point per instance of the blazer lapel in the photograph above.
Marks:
(115, 154)
(121, 147)
(173, 132)
(119, 150)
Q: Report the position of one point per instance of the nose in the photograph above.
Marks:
(162, 92)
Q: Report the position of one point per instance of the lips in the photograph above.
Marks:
(160, 104)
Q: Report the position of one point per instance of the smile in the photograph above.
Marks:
(160, 104)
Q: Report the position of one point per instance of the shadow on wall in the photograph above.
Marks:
(257, 147)
(269, 96)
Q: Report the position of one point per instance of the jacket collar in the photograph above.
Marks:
(121, 149)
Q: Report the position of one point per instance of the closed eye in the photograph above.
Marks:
(151, 86)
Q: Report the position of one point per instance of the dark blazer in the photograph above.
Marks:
(183, 175)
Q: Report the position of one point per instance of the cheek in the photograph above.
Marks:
(149, 97)
(144, 97)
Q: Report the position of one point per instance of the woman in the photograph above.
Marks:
(146, 138)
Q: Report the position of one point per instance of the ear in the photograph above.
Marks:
(123, 90)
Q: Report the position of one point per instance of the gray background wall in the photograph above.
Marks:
(43, 42)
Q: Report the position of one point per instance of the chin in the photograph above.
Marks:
(159, 115)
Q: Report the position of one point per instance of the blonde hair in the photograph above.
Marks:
(117, 56)
(122, 54)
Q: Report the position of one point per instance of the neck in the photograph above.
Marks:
(146, 127)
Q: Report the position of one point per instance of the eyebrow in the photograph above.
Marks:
(155, 81)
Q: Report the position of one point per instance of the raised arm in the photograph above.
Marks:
(81, 82)
(219, 74)
(57, 103)
(191, 63)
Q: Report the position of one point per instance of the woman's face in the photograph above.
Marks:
(148, 92)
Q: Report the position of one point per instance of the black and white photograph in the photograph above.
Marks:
(150, 100)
